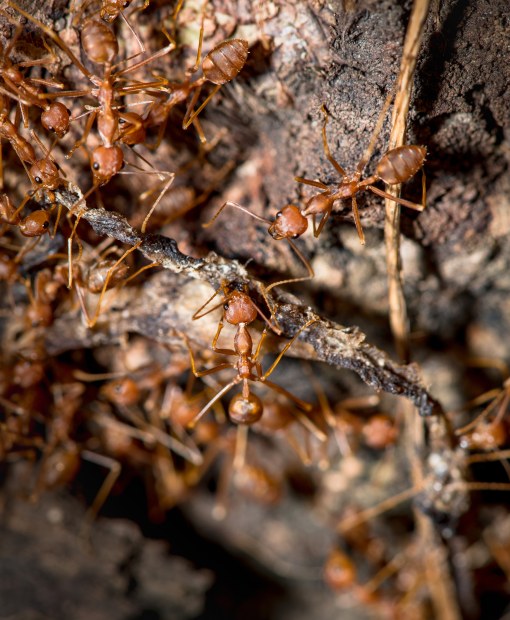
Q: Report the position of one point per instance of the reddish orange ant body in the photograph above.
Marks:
(396, 166)
(240, 310)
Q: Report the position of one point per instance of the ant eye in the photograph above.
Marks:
(96, 166)
(295, 236)
(45, 224)
(38, 180)
(278, 215)
(225, 306)
(126, 4)
(122, 121)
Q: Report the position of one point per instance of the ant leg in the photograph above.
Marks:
(351, 521)
(138, 40)
(300, 403)
(494, 455)
(194, 69)
(292, 280)
(191, 116)
(171, 177)
(400, 201)
(325, 145)
(215, 341)
(375, 134)
(213, 400)
(54, 36)
(107, 281)
(357, 220)
(310, 182)
(286, 348)
(318, 229)
(85, 135)
(162, 52)
(197, 314)
(106, 487)
(209, 371)
(500, 402)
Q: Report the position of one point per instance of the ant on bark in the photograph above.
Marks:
(396, 166)
(240, 310)
(100, 45)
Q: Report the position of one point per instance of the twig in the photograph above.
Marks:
(398, 311)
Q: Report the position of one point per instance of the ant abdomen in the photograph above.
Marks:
(224, 62)
(99, 42)
(401, 163)
(243, 410)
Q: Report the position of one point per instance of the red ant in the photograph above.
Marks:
(244, 408)
(100, 46)
(55, 116)
(221, 65)
(395, 166)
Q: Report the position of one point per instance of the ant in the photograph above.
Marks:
(221, 65)
(396, 166)
(244, 408)
(55, 116)
(101, 46)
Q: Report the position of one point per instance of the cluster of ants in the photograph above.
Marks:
(142, 416)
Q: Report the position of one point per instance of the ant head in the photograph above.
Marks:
(99, 42)
(35, 224)
(289, 223)
(56, 118)
(111, 10)
(224, 62)
(239, 308)
(123, 392)
(245, 410)
(106, 161)
(45, 173)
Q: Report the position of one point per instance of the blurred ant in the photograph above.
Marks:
(55, 116)
(396, 166)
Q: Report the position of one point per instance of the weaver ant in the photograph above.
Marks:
(221, 65)
(100, 46)
(396, 166)
(245, 408)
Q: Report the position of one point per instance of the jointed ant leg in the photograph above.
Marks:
(325, 145)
